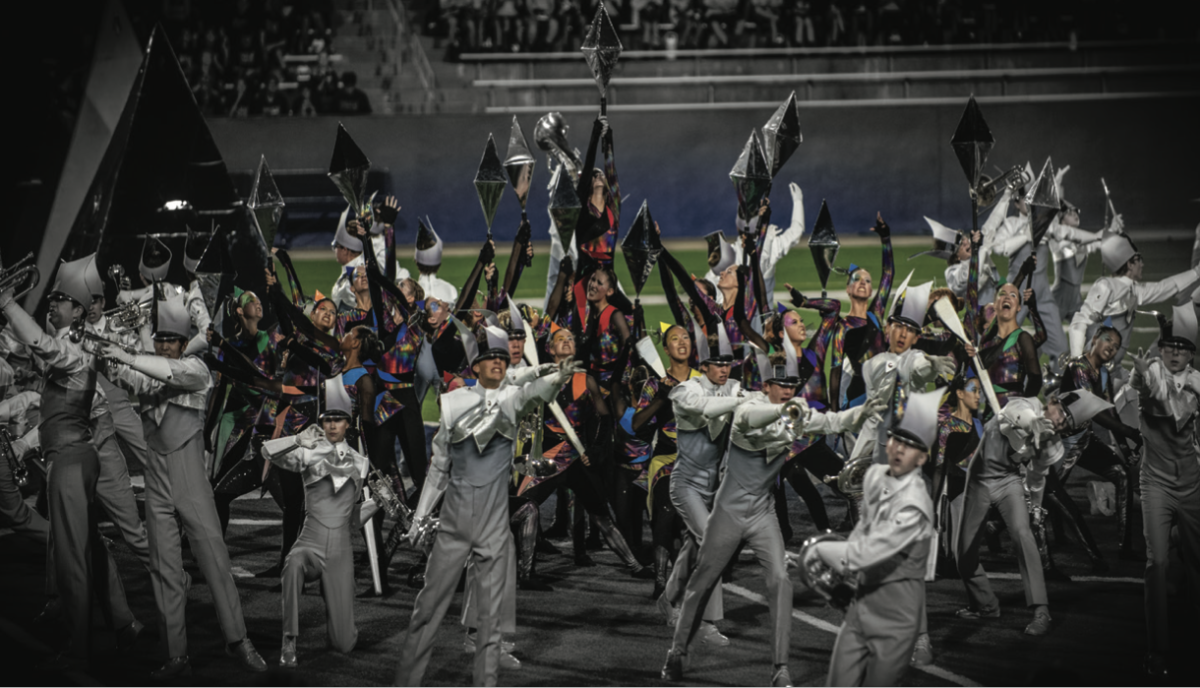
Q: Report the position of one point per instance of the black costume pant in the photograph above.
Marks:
(820, 460)
(629, 503)
(407, 426)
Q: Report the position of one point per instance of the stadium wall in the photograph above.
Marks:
(894, 158)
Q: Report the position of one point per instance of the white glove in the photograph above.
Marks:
(1193, 381)
(1140, 365)
(545, 369)
(112, 352)
(310, 437)
(569, 367)
(1118, 224)
(943, 366)
(797, 203)
(6, 297)
(873, 407)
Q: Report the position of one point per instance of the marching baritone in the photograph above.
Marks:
(333, 480)
(886, 556)
(173, 391)
(471, 468)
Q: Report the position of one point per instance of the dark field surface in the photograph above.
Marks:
(599, 627)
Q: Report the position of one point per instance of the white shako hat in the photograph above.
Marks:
(343, 238)
(155, 261)
(918, 425)
(1116, 251)
(171, 319)
(336, 400)
(426, 236)
(79, 280)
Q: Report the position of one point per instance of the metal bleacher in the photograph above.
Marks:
(717, 79)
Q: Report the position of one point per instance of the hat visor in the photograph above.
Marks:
(168, 336)
(907, 322)
(491, 353)
(718, 359)
(908, 438)
(1177, 343)
(784, 381)
(334, 414)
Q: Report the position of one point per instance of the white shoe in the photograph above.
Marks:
(922, 652)
(711, 635)
(469, 645)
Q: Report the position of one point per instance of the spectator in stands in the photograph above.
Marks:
(246, 59)
(766, 14)
(541, 25)
(802, 32)
(350, 100)
(687, 16)
(571, 25)
(240, 105)
(271, 102)
(722, 18)
(304, 106)
(507, 30)
(326, 93)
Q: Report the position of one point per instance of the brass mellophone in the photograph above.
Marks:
(20, 277)
(985, 194)
(386, 497)
(128, 316)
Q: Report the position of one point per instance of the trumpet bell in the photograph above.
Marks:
(20, 277)
(550, 135)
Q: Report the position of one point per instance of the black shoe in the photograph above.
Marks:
(673, 668)
(533, 584)
(659, 589)
(176, 667)
(416, 576)
(644, 573)
(275, 571)
(1131, 554)
(583, 559)
(594, 543)
(385, 588)
(544, 546)
(127, 637)
(556, 532)
(1055, 574)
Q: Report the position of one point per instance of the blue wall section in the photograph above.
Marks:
(895, 159)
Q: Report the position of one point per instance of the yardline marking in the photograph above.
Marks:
(1079, 579)
(830, 628)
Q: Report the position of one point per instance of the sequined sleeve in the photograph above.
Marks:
(885, 281)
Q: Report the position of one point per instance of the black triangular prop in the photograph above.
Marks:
(641, 247)
(972, 141)
(824, 244)
(161, 150)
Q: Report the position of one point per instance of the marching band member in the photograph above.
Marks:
(333, 476)
(1024, 436)
(703, 411)
(428, 256)
(471, 468)
(173, 390)
(887, 554)
(862, 333)
(1168, 389)
(1119, 295)
(82, 563)
(900, 370)
(743, 511)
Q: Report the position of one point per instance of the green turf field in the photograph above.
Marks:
(1163, 259)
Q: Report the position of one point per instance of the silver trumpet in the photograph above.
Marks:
(20, 277)
(78, 334)
(850, 479)
(791, 412)
(550, 134)
(985, 194)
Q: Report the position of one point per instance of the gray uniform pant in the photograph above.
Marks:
(1162, 507)
(693, 502)
(508, 600)
(473, 526)
(1008, 496)
(176, 483)
(82, 563)
(14, 513)
(114, 491)
(1056, 339)
(876, 640)
(1068, 294)
(325, 553)
(725, 533)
